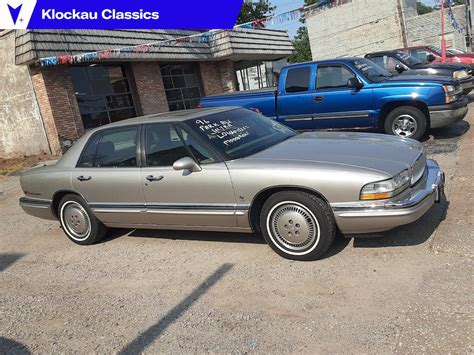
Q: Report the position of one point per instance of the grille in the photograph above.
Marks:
(418, 168)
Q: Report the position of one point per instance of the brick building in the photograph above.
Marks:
(42, 109)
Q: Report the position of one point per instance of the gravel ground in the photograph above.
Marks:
(169, 292)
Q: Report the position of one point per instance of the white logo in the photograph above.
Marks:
(16, 14)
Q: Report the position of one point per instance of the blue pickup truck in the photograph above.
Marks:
(354, 93)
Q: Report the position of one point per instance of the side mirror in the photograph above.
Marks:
(399, 68)
(186, 163)
(354, 83)
(430, 57)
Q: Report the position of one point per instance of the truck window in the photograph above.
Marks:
(297, 80)
(333, 76)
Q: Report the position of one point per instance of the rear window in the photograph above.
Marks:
(297, 80)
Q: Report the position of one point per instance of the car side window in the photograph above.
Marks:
(163, 145)
(117, 148)
(297, 79)
(386, 62)
(200, 152)
(333, 76)
(420, 54)
(88, 153)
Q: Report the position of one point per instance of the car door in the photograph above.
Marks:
(181, 198)
(335, 104)
(108, 176)
(295, 108)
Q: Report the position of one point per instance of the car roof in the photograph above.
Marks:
(173, 116)
(383, 52)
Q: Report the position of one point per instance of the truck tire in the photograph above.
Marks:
(406, 122)
(297, 225)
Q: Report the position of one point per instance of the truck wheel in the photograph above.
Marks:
(297, 225)
(406, 122)
(78, 221)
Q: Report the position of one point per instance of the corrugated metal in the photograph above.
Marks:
(34, 44)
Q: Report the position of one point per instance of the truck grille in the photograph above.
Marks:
(418, 168)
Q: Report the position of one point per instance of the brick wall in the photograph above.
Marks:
(150, 90)
(58, 105)
(426, 29)
(227, 74)
(211, 79)
(358, 27)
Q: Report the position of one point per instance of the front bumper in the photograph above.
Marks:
(446, 115)
(364, 217)
(467, 85)
(37, 207)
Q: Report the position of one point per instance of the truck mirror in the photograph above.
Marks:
(430, 57)
(354, 83)
(399, 68)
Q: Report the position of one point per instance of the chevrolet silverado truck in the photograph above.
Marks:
(401, 63)
(354, 93)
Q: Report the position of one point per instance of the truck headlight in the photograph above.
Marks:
(460, 74)
(452, 93)
(385, 189)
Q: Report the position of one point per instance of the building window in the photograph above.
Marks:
(103, 94)
(182, 85)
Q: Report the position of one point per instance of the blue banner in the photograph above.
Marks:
(119, 14)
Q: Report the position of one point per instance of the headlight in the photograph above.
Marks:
(460, 74)
(385, 189)
(451, 93)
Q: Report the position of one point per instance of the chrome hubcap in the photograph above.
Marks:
(76, 220)
(404, 126)
(293, 225)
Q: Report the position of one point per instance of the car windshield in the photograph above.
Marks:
(240, 133)
(371, 71)
(435, 50)
(407, 59)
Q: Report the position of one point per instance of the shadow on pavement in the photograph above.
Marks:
(139, 344)
(6, 260)
(8, 346)
(412, 234)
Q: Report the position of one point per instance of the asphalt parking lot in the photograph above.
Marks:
(158, 291)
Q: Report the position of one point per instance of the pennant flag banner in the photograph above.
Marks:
(455, 24)
(203, 38)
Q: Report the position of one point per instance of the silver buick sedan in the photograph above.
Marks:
(233, 170)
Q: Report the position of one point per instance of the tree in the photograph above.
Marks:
(302, 48)
(422, 9)
(251, 11)
(301, 42)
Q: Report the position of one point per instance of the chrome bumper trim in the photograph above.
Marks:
(37, 207)
(377, 216)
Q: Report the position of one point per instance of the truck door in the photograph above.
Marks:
(295, 108)
(335, 105)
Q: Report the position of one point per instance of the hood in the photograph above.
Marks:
(438, 65)
(382, 153)
(439, 79)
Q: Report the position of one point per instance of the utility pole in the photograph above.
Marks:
(443, 41)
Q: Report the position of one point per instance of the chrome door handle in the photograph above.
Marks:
(154, 178)
(319, 98)
(84, 178)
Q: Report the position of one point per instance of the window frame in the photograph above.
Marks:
(308, 90)
(101, 134)
(217, 158)
(326, 65)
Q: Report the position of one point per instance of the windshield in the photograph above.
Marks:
(371, 71)
(239, 133)
(407, 59)
(435, 50)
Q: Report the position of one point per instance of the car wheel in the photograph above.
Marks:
(78, 221)
(406, 122)
(297, 225)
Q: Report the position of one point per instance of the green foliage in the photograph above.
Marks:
(422, 8)
(255, 10)
(302, 47)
